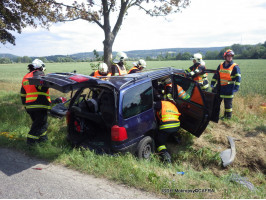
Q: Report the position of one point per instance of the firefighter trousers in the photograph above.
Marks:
(163, 136)
(39, 126)
(228, 107)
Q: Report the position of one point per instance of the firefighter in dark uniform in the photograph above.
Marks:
(102, 71)
(229, 82)
(168, 119)
(196, 69)
(37, 102)
(118, 67)
(138, 67)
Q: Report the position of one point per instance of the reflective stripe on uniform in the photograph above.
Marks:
(229, 110)
(227, 96)
(37, 106)
(205, 86)
(170, 117)
(236, 75)
(227, 82)
(173, 125)
(36, 137)
(26, 83)
(43, 134)
(31, 98)
(226, 71)
(38, 93)
(160, 148)
(237, 83)
(33, 137)
(182, 94)
(187, 97)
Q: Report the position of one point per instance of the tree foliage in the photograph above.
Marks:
(241, 52)
(17, 14)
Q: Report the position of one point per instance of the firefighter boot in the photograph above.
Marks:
(31, 141)
(43, 139)
(165, 156)
(228, 115)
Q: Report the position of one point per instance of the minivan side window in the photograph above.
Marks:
(137, 100)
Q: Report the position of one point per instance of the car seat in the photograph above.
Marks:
(106, 107)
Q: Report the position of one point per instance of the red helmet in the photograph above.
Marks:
(229, 52)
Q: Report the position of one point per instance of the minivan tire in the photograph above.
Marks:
(145, 148)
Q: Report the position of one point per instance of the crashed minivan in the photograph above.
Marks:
(116, 114)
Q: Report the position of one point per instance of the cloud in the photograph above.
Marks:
(204, 23)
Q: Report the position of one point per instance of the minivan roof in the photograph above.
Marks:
(121, 81)
(66, 82)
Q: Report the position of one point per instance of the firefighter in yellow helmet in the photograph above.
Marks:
(118, 67)
(168, 122)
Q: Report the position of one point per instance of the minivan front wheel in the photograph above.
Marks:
(145, 147)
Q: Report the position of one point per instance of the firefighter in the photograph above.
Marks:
(138, 67)
(102, 71)
(37, 102)
(196, 69)
(228, 83)
(168, 119)
(118, 67)
(168, 91)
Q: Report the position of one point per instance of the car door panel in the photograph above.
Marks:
(212, 103)
(194, 115)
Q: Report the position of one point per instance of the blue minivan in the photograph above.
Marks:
(116, 114)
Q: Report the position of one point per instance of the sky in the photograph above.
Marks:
(205, 23)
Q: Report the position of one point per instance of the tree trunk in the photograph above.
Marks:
(111, 35)
(107, 49)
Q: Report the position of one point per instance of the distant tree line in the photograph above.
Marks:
(257, 51)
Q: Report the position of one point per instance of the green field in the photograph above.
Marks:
(201, 162)
(253, 72)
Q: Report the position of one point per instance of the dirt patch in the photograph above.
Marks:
(250, 149)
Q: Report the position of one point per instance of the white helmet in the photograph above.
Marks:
(120, 56)
(202, 63)
(38, 64)
(197, 57)
(141, 63)
(103, 68)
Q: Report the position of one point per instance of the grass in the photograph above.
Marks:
(197, 163)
